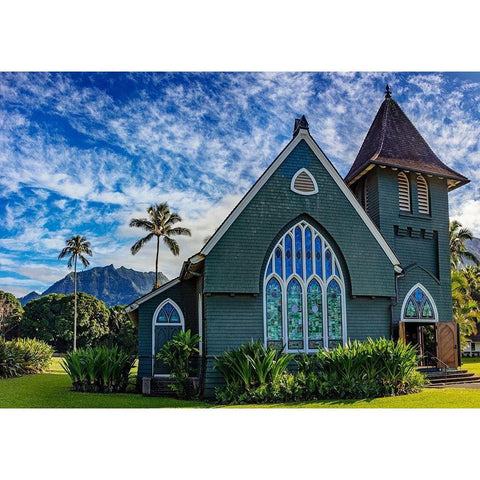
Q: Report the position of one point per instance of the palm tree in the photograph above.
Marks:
(458, 251)
(160, 224)
(76, 247)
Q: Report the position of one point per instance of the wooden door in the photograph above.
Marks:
(402, 337)
(163, 334)
(447, 343)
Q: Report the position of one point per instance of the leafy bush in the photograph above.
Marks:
(373, 368)
(23, 356)
(178, 353)
(121, 330)
(254, 374)
(100, 369)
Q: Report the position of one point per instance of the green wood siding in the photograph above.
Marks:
(184, 294)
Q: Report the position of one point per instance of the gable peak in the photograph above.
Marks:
(300, 123)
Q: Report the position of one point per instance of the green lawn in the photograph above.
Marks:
(52, 390)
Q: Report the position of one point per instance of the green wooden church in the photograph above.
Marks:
(311, 260)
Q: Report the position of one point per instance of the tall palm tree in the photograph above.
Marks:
(458, 251)
(160, 223)
(76, 247)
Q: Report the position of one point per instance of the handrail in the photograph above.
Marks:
(433, 357)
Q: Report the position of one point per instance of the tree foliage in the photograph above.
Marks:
(50, 318)
(121, 330)
(10, 314)
(160, 224)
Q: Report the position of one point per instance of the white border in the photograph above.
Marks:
(154, 324)
(432, 303)
(294, 178)
(302, 135)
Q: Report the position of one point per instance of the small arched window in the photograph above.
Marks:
(403, 192)
(422, 188)
(419, 305)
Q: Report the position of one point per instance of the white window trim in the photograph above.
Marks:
(430, 299)
(304, 284)
(155, 324)
(294, 178)
(421, 178)
(405, 176)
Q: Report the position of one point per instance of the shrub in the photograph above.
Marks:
(100, 369)
(178, 353)
(374, 368)
(254, 374)
(23, 356)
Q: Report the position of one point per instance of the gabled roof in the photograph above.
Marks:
(301, 133)
(394, 141)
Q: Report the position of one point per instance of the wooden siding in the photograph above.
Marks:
(184, 295)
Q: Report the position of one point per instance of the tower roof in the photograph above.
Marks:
(393, 141)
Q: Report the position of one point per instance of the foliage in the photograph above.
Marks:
(458, 251)
(178, 353)
(23, 356)
(160, 224)
(121, 330)
(10, 314)
(254, 373)
(466, 311)
(50, 319)
(100, 369)
(369, 369)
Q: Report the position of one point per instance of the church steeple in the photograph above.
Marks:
(394, 141)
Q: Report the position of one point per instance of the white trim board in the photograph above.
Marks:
(133, 306)
(302, 135)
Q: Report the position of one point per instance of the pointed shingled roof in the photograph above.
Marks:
(393, 141)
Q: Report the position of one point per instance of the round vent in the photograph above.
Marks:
(304, 183)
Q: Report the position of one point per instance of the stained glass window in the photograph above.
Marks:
(302, 314)
(298, 252)
(419, 306)
(168, 314)
(288, 256)
(274, 312)
(315, 315)
(318, 256)
(334, 311)
(308, 252)
(328, 264)
(294, 315)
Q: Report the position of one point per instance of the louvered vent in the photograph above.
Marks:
(403, 192)
(422, 187)
(304, 183)
(365, 194)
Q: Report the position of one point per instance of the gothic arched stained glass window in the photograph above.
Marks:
(168, 314)
(304, 292)
(418, 305)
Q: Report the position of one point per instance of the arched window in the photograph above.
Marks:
(167, 313)
(419, 305)
(422, 189)
(304, 292)
(403, 192)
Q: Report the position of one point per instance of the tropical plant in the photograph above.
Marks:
(160, 224)
(252, 372)
(458, 250)
(50, 319)
(10, 314)
(466, 311)
(121, 330)
(178, 354)
(100, 370)
(76, 247)
(23, 356)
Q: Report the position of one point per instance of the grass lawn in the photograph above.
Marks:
(52, 390)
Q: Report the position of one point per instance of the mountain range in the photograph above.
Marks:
(114, 286)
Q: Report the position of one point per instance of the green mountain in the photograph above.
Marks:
(114, 286)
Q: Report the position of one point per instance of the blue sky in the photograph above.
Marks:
(85, 152)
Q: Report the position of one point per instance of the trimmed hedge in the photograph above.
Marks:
(23, 356)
